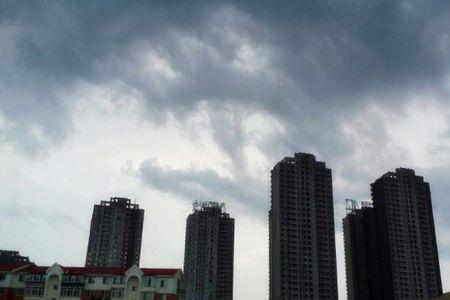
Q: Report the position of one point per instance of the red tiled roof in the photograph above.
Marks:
(90, 270)
(34, 269)
(117, 271)
(7, 268)
(94, 271)
(16, 268)
(163, 272)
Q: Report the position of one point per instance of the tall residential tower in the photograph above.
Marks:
(362, 268)
(209, 253)
(116, 234)
(408, 249)
(391, 249)
(302, 241)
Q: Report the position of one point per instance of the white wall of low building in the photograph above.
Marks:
(130, 285)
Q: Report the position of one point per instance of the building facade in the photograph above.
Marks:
(116, 234)
(209, 253)
(364, 279)
(301, 227)
(31, 282)
(406, 236)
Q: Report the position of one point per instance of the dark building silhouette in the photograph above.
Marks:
(12, 258)
(361, 253)
(408, 249)
(209, 253)
(302, 241)
(391, 249)
(116, 234)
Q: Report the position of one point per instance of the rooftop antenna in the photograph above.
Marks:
(351, 205)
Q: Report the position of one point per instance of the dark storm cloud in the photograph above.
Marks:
(312, 65)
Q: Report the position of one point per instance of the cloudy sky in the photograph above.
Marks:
(168, 103)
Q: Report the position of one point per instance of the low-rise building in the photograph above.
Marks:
(31, 282)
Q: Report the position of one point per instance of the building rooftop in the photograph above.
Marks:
(208, 205)
(88, 270)
(119, 202)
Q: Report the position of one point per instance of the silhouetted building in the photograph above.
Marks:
(364, 280)
(12, 258)
(408, 255)
(116, 234)
(390, 249)
(209, 253)
(302, 241)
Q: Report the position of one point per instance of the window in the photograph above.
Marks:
(162, 283)
(35, 277)
(147, 296)
(21, 278)
(118, 280)
(91, 279)
(37, 291)
(55, 286)
(89, 293)
(19, 292)
(2, 276)
(117, 293)
(147, 282)
(71, 292)
(1, 290)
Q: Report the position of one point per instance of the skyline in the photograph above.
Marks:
(166, 104)
(221, 207)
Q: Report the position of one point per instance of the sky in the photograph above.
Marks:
(170, 102)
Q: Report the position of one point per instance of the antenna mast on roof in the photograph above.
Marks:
(351, 205)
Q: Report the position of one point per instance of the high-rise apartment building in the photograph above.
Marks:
(209, 253)
(302, 241)
(408, 249)
(116, 234)
(362, 270)
(391, 249)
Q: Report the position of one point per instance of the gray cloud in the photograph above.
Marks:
(323, 60)
(321, 63)
(202, 185)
